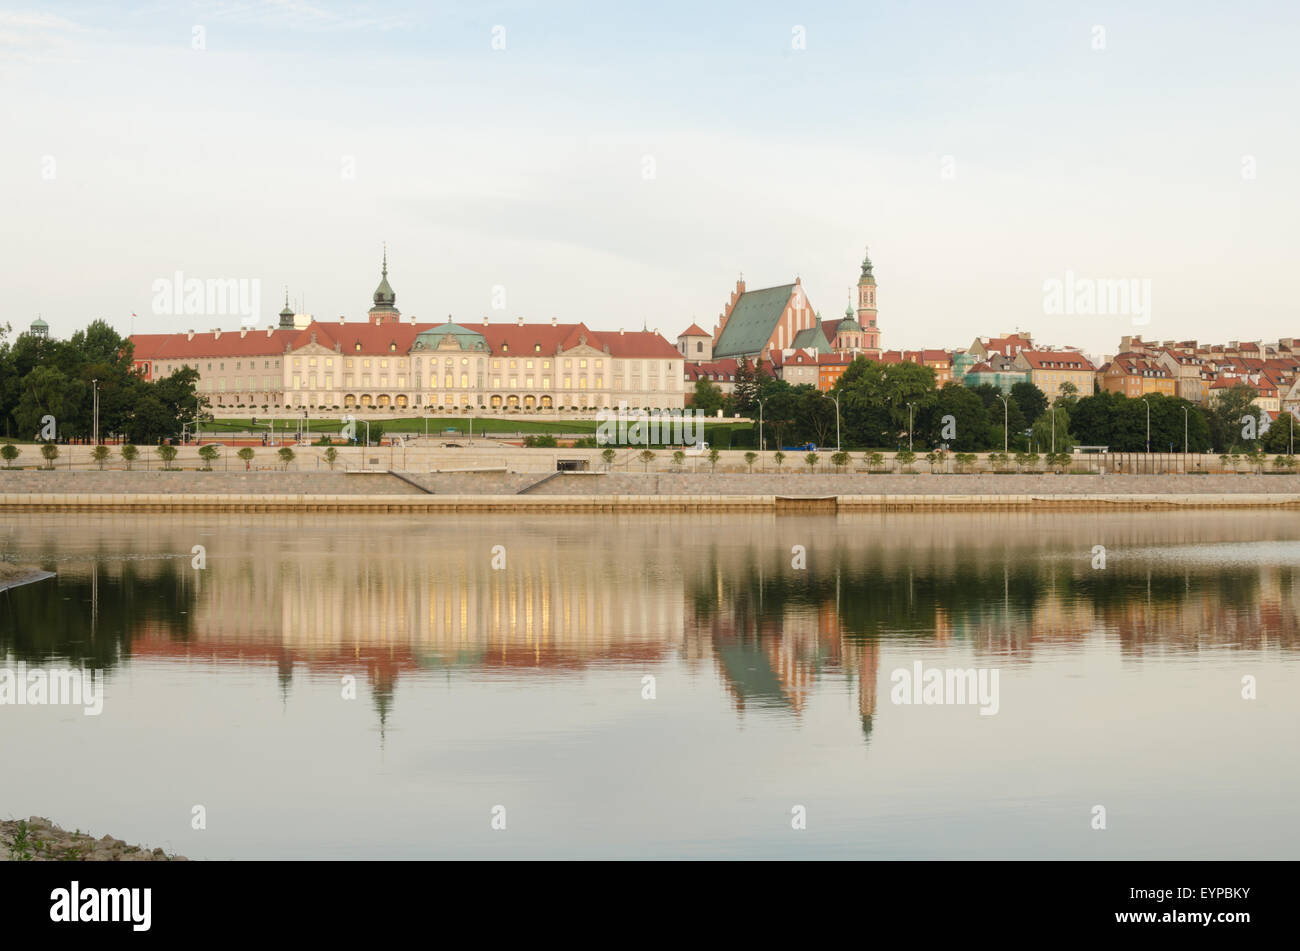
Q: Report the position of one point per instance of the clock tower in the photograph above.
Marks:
(867, 310)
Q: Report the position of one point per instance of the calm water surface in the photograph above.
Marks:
(523, 687)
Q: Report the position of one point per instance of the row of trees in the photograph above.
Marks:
(897, 405)
(40, 377)
(167, 453)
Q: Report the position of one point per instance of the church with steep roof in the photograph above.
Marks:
(774, 324)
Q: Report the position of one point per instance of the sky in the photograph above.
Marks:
(623, 164)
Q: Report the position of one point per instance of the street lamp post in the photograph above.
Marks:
(836, 400)
(1148, 424)
(910, 407)
(95, 432)
(760, 423)
(1005, 424)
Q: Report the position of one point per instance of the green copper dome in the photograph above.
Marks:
(432, 339)
(384, 296)
(867, 276)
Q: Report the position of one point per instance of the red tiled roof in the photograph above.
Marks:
(694, 331)
(1056, 360)
(369, 338)
(229, 343)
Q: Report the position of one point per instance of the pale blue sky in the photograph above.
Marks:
(523, 167)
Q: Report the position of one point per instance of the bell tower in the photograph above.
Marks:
(867, 310)
(385, 310)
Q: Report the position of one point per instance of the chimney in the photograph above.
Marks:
(553, 320)
(216, 333)
(521, 321)
(190, 334)
(620, 331)
(342, 320)
(485, 320)
(243, 332)
(269, 331)
(412, 320)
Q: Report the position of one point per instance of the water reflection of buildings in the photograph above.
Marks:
(717, 594)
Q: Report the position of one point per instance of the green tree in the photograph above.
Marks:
(150, 421)
(713, 459)
(1030, 399)
(331, 457)
(1059, 460)
(246, 454)
(608, 456)
(286, 455)
(679, 458)
(810, 460)
(874, 400)
(209, 454)
(1051, 431)
(750, 459)
(839, 460)
(958, 409)
(1067, 394)
(779, 458)
(45, 391)
(745, 388)
(51, 452)
(9, 452)
(646, 457)
(129, 454)
(100, 455)
(707, 398)
(905, 458)
(167, 453)
(1280, 437)
(875, 461)
(1236, 419)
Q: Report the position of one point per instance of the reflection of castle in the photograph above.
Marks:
(386, 597)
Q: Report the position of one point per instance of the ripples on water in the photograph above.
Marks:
(524, 687)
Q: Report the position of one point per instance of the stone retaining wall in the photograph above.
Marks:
(422, 503)
(626, 483)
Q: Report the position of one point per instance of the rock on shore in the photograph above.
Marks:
(39, 840)
(11, 575)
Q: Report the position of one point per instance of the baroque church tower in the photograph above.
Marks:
(867, 310)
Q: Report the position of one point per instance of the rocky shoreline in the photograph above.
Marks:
(11, 575)
(37, 839)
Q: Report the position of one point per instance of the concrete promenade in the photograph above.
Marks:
(495, 490)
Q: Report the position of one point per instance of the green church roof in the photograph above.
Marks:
(752, 321)
(39, 323)
(811, 337)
